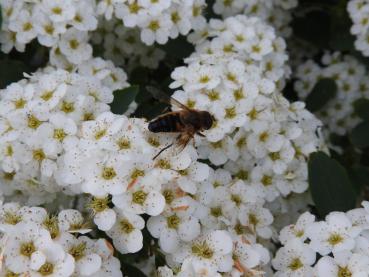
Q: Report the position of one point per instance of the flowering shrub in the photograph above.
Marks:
(88, 189)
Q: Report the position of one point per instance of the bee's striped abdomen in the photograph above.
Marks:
(166, 123)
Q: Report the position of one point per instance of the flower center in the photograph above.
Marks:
(242, 174)
(123, 143)
(33, 122)
(295, 264)
(343, 272)
(253, 219)
(266, 180)
(27, 26)
(108, 173)
(173, 221)
(99, 204)
(57, 10)
(169, 196)
(46, 269)
(335, 239)
(202, 250)
(67, 107)
(230, 112)
(153, 142)
(12, 218)
(134, 7)
(236, 199)
(26, 249)
(59, 134)
(126, 226)
(39, 155)
(154, 25)
(204, 79)
(241, 142)
(78, 251)
(216, 211)
(9, 151)
(19, 104)
(47, 95)
(137, 173)
(139, 197)
(51, 224)
(163, 164)
(73, 43)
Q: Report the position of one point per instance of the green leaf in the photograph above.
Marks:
(324, 90)
(360, 135)
(361, 107)
(11, 71)
(122, 99)
(330, 185)
(359, 176)
(132, 271)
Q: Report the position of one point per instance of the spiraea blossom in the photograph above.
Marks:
(358, 11)
(213, 208)
(350, 78)
(35, 243)
(275, 12)
(124, 46)
(40, 120)
(61, 25)
(340, 240)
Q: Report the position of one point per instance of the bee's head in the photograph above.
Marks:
(207, 120)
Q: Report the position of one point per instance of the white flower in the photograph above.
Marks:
(82, 250)
(294, 259)
(343, 263)
(126, 232)
(212, 250)
(333, 235)
(297, 230)
(23, 27)
(156, 29)
(59, 10)
(73, 44)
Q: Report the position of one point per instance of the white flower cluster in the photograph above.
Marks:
(262, 140)
(40, 119)
(352, 84)
(62, 25)
(124, 46)
(35, 243)
(157, 20)
(341, 242)
(276, 12)
(57, 136)
(359, 13)
(256, 130)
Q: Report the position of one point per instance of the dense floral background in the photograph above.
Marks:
(276, 187)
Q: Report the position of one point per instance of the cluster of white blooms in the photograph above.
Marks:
(35, 243)
(261, 141)
(352, 84)
(40, 119)
(58, 137)
(359, 13)
(124, 46)
(62, 25)
(276, 12)
(157, 20)
(341, 242)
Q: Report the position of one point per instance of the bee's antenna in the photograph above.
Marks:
(162, 150)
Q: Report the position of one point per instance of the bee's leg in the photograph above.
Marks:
(165, 148)
(200, 134)
(162, 150)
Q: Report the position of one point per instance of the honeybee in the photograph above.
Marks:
(187, 122)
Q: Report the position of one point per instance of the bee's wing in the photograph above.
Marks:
(161, 96)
